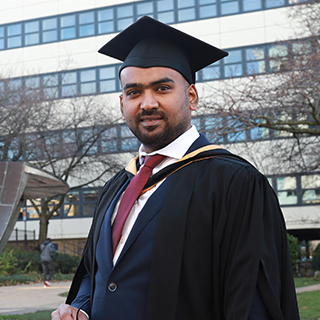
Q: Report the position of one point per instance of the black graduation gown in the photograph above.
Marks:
(220, 235)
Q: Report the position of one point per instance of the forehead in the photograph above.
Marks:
(149, 75)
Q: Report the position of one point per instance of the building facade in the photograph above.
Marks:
(44, 43)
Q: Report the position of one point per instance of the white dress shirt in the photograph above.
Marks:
(173, 152)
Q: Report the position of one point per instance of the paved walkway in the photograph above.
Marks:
(33, 297)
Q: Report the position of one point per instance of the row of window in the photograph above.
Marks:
(104, 79)
(291, 190)
(113, 19)
(62, 144)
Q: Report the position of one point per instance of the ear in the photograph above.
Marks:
(121, 105)
(193, 97)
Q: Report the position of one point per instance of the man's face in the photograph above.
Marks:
(156, 104)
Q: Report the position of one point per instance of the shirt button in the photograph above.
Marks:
(112, 287)
(122, 240)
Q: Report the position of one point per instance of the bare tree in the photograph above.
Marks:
(69, 138)
(284, 96)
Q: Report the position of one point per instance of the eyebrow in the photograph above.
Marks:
(140, 85)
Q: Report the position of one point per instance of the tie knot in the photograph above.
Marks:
(153, 161)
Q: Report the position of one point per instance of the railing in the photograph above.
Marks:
(19, 235)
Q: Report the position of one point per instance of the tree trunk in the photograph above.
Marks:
(43, 227)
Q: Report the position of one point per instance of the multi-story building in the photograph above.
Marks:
(58, 40)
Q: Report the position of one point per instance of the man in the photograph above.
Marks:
(46, 254)
(206, 238)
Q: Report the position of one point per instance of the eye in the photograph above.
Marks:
(163, 88)
(132, 92)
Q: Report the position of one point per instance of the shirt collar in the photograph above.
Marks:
(177, 148)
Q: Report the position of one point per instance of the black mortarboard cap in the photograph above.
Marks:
(150, 43)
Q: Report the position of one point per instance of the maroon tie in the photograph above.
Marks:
(131, 194)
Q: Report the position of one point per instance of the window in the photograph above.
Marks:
(124, 16)
(229, 7)
(107, 77)
(128, 141)
(32, 86)
(68, 27)
(105, 21)
(186, 10)
(108, 140)
(255, 60)
(274, 3)
(207, 8)
(165, 11)
(90, 197)
(286, 187)
(311, 189)
(211, 72)
(49, 30)
(251, 5)
(14, 35)
(71, 204)
(86, 24)
(88, 82)
(211, 129)
(2, 38)
(277, 54)
(69, 84)
(233, 64)
(50, 87)
(31, 33)
(145, 9)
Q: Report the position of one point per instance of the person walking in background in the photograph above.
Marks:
(47, 250)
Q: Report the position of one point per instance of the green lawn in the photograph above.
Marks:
(308, 302)
(39, 315)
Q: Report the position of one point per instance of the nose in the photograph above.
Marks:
(148, 101)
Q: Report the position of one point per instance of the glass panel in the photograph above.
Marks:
(90, 199)
(69, 91)
(49, 24)
(249, 5)
(107, 86)
(310, 181)
(105, 14)
(109, 140)
(210, 73)
(14, 42)
(68, 21)
(71, 207)
(201, 2)
(69, 77)
(14, 29)
(49, 36)
(68, 33)
(107, 73)
(32, 82)
(229, 7)
(88, 88)
(50, 80)
(186, 14)
(105, 27)
(87, 30)
(125, 11)
(285, 183)
(287, 197)
(85, 18)
(185, 3)
(31, 39)
(31, 26)
(311, 196)
(145, 8)
(124, 23)
(167, 17)
(88, 75)
(1, 32)
(274, 3)
(164, 5)
(208, 11)
(232, 68)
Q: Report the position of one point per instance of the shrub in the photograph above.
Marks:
(294, 250)
(65, 263)
(316, 258)
(8, 262)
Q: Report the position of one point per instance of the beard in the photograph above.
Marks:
(153, 139)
